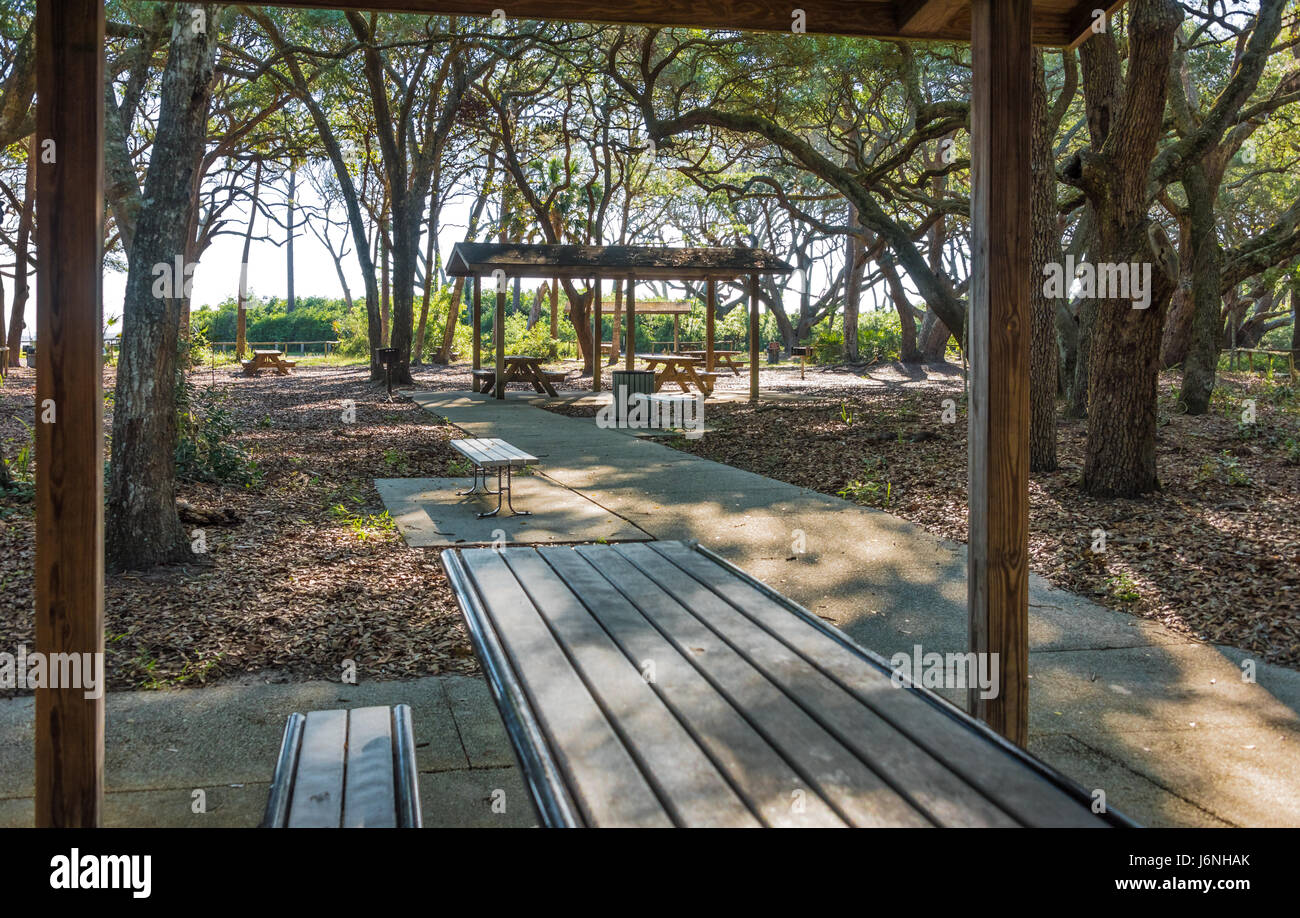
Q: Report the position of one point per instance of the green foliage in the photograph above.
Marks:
(205, 430)
(532, 342)
(20, 466)
(1124, 588)
(873, 488)
(880, 336)
(313, 318)
(1224, 468)
(827, 347)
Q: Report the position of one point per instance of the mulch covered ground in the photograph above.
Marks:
(304, 569)
(1215, 554)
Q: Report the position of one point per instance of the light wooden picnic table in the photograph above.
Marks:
(726, 358)
(685, 371)
(268, 360)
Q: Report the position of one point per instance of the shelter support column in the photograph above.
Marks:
(478, 329)
(499, 337)
(997, 581)
(631, 324)
(596, 335)
(753, 338)
(710, 310)
(69, 568)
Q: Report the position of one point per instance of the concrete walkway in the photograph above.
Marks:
(1164, 726)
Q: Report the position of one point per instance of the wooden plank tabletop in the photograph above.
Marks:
(654, 684)
(668, 358)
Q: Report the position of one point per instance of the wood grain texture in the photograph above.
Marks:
(631, 324)
(318, 783)
(597, 335)
(499, 341)
(69, 570)
(753, 338)
(710, 316)
(478, 327)
(920, 17)
(607, 784)
(867, 18)
(998, 578)
(369, 792)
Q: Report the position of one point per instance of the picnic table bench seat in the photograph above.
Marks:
(346, 769)
(493, 454)
(654, 684)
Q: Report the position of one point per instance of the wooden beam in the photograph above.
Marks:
(1083, 21)
(478, 329)
(998, 579)
(876, 18)
(631, 324)
(69, 572)
(753, 338)
(860, 18)
(499, 338)
(922, 17)
(710, 308)
(597, 333)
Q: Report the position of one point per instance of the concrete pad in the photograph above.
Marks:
(161, 746)
(429, 514)
(1246, 776)
(489, 798)
(1135, 795)
(1176, 687)
(482, 735)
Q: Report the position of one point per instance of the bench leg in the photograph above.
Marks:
(506, 490)
(475, 489)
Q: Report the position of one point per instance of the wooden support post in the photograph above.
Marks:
(631, 324)
(753, 338)
(69, 570)
(677, 327)
(499, 338)
(998, 576)
(478, 330)
(555, 307)
(710, 308)
(596, 334)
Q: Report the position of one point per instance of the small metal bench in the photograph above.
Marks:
(486, 455)
(346, 769)
(676, 410)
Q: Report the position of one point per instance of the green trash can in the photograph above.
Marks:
(628, 383)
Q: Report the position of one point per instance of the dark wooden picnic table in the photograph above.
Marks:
(654, 684)
(522, 369)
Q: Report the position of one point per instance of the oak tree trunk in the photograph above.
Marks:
(143, 528)
(1046, 250)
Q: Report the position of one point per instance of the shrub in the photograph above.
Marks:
(827, 347)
